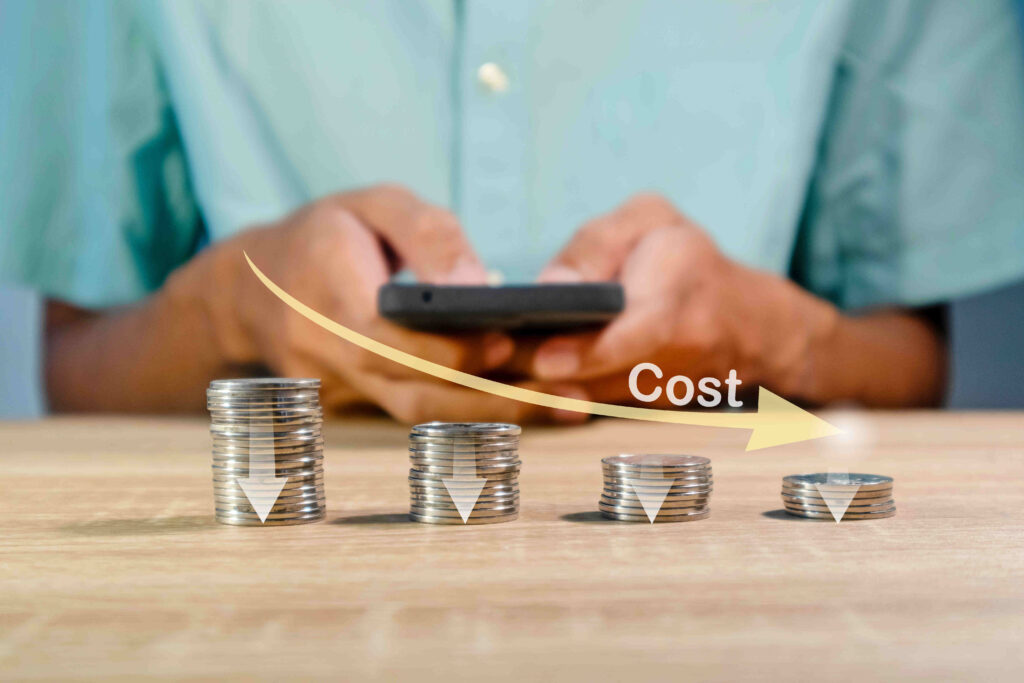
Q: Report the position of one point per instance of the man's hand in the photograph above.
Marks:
(213, 315)
(692, 311)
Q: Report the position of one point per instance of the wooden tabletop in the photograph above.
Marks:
(113, 567)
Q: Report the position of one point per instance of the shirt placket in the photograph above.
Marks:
(491, 178)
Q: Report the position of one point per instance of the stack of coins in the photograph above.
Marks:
(267, 451)
(464, 473)
(656, 488)
(839, 497)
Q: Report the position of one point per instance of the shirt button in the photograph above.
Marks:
(492, 77)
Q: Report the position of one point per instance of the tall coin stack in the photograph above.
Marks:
(464, 473)
(656, 488)
(268, 460)
(838, 496)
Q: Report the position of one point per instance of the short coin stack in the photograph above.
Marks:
(656, 488)
(464, 473)
(268, 462)
(838, 496)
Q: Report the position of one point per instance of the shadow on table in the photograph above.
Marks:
(145, 526)
(590, 516)
(781, 514)
(380, 518)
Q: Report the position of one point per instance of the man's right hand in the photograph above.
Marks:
(333, 255)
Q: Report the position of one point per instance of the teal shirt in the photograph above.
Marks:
(874, 149)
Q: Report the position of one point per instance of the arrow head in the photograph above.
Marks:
(262, 493)
(464, 493)
(781, 422)
(652, 496)
(837, 497)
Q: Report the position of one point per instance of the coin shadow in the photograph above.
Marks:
(380, 518)
(589, 516)
(785, 516)
(144, 526)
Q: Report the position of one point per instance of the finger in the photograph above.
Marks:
(412, 402)
(598, 249)
(362, 263)
(627, 340)
(427, 238)
(474, 354)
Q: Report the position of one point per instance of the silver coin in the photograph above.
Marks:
(465, 429)
(244, 399)
(245, 425)
(235, 491)
(847, 516)
(823, 507)
(852, 508)
(246, 511)
(445, 468)
(639, 509)
(280, 505)
(442, 491)
(866, 482)
(265, 383)
(267, 447)
(272, 517)
(428, 496)
(250, 431)
(637, 504)
(237, 516)
(658, 483)
(654, 460)
(420, 504)
(313, 408)
(291, 485)
(284, 497)
(659, 519)
(480, 470)
(265, 455)
(311, 396)
(478, 511)
(240, 450)
(630, 492)
(437, 477)
(281, 464)
(472, 521)
(262, 408)
(855, 502)
(242, 465)
(664, 476)
(297, 475)
(466, 454)
(671, 490)
(814, 493)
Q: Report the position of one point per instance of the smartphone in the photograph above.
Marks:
(545, 307)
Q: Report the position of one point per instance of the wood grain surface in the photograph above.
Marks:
(112, 567)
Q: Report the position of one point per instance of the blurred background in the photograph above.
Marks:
(986, 330)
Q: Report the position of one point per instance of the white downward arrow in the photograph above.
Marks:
(837, 492)
(262, 487)
(464, 487)
(652, 494)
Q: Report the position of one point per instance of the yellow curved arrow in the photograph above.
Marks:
(776, 422)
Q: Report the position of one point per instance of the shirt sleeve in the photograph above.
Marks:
(97, 207)
(918, 193)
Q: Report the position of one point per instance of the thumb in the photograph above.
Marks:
(426, 238)
(599, 249)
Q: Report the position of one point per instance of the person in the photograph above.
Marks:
(788, 190)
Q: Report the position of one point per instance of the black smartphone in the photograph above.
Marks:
(511, 307)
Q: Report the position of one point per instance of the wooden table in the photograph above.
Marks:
(112, 567)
